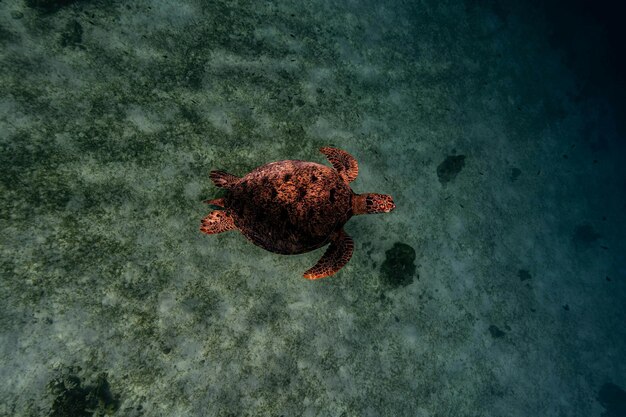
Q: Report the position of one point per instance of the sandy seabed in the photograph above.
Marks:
(496, 288)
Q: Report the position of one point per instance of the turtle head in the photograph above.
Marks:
(371, 203)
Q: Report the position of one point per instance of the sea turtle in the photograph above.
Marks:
(294, 206)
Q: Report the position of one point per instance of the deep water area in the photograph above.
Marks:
(497, 286)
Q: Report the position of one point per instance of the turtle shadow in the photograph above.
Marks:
(585, 236)
(613, 399)
(450, 168)
(398, 268)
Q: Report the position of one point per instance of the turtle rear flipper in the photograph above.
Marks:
(217, 221)
(223, 179)
(216, 203)
(336, 256)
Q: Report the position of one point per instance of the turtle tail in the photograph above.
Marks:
(223, 179)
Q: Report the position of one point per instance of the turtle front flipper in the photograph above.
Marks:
(336, 256)
(343, 162)
(217, 221)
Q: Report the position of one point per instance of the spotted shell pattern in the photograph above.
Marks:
(291, 206)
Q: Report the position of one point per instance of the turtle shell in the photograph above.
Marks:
(290, 206)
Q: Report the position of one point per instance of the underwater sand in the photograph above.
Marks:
(496, 287)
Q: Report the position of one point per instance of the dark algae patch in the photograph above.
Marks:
(613, 399)
(71, 397)
(73, 34)
(523, 275)
(450, 168)
(496, 333)
(48, 6)
(398, 269)
(74, 400)
(515, 173)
